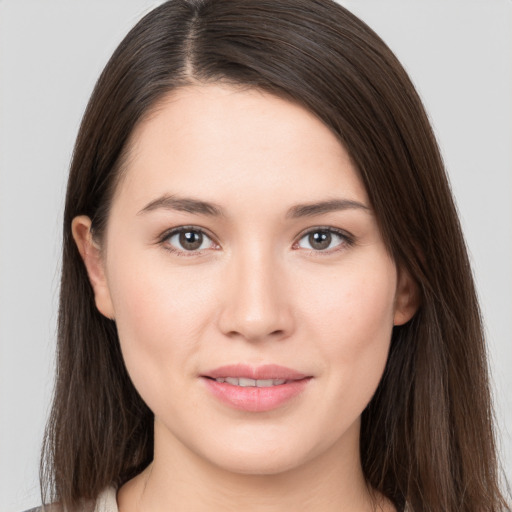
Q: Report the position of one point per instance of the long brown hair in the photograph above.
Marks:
(427, 435)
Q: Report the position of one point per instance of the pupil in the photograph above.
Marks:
(191, 240)
(320, 240)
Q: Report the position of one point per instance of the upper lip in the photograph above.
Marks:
(267, 371)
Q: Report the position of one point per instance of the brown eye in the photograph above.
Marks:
(190, 240)
(322, 239)
(187, 239)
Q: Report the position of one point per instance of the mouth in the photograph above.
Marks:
(248, 383)
(259, 373)
(255, 389)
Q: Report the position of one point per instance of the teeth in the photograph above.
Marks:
(245, 383)
(261, 383)
(266, 383)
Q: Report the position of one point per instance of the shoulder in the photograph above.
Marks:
(105, 502)
(47, 508)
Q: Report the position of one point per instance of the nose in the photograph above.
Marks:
(256, 302)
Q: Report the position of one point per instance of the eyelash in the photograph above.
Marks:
(346, 240)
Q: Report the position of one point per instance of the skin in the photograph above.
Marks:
(257, 292)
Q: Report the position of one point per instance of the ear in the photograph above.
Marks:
(94, 264)
(407, 298)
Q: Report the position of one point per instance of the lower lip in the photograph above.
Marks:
(254, 399)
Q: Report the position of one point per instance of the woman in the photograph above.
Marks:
(256, 200)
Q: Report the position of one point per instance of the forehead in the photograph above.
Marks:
(221, 141)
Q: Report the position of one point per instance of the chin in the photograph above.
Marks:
(260, 459)
(259, 466)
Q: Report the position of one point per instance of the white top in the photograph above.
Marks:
(107, 501)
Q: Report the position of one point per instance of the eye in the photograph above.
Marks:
(187, 239)
(323, 239)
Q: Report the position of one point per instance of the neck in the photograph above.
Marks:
(181, 480)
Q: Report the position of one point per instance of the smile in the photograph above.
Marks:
(259, 383)
(255, 388)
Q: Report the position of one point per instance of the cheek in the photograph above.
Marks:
(160, 316)
(354, 301)
(352, 321)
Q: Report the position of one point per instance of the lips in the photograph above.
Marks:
(265, 395)
(265, 372)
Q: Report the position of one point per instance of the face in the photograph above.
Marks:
(241, 234)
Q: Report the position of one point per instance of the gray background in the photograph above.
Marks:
(458, 53)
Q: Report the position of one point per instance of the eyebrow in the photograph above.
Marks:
(198, 207)
(183, 204)
(318, 208)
